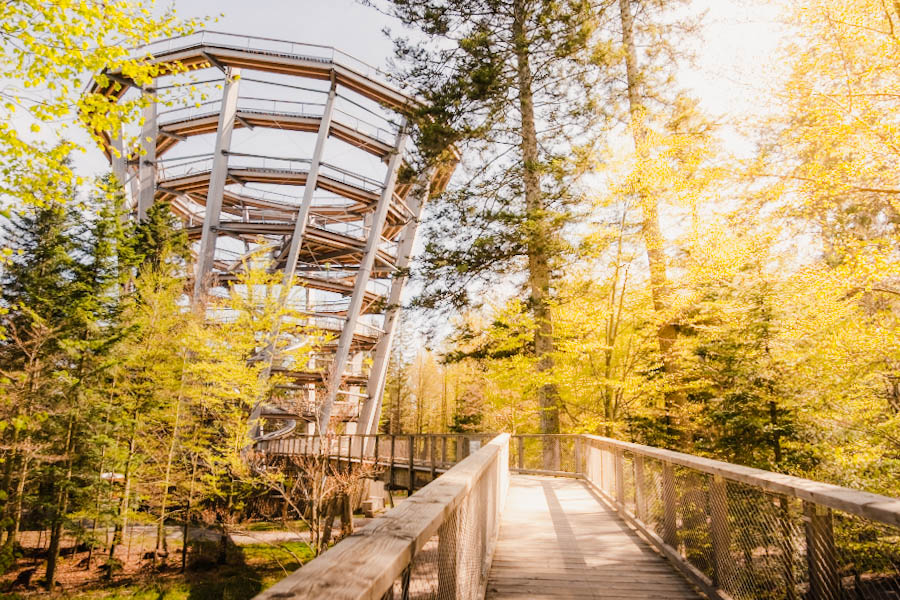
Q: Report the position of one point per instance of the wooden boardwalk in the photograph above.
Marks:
(558, 540)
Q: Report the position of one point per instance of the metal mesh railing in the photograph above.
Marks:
(544, 454)
(437, 544)
(743, 533)
(738, 533)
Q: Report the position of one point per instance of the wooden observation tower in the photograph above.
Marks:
(293, 151)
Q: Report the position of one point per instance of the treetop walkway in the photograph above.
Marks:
(582, 516)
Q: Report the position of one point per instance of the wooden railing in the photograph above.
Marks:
(438, 542)
(408, 461)
(737, 532)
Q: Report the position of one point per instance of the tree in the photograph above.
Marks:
(514, 83)
(648, 74)
(61, 293)
(38, 282)
(49, 49)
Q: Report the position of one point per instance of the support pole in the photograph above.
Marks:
(412, 472)
(371, 410)
(217, 178)
(821, 556)
(290, 267)
(362, 280)
(312, 179)
(147, 160)
(117, 157)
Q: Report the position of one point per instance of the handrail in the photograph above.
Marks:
(324, 52)
(737, 532)
(461, 508)
(864, 504)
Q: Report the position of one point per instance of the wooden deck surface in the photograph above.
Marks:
(558, 540)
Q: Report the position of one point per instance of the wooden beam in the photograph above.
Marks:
(366, 564)
(864, 504)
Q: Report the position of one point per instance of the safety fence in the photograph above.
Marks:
(744, 533)
(737, 532)
(409, 461)
(436, 544)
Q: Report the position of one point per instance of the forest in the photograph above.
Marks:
(604, 261)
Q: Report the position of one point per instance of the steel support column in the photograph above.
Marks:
(312, 178)
(362, 280)
(217, 179)
(147, 160)
(371, 410)
(290, 267)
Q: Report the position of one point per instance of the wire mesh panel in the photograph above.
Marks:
(454, 562)
(552, 454)
(436, 544)
(747, 534)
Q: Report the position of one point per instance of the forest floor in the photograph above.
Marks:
(259, 554)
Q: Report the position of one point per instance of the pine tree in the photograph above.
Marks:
(514, 83)
(37, 284)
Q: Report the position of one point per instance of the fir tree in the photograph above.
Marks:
(514, 83)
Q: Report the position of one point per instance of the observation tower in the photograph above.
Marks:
(292, 151)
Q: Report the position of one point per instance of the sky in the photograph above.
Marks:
(732, 77)
(736, 48)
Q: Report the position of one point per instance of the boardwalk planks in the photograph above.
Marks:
(557, 540)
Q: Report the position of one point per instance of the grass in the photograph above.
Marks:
(274, 526)
(250, 570)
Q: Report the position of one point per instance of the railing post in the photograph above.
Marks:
(640, 492)
(670, 526)
(444, 451)
(349, 453)
(604, 468)
(459, 448)
(520, 459)
(431, 451)
(620, 477)
(787, 547)
(391, 464)
(557, 454)
(824, 582)
(578, 455)
(412, 473)
(720, 533)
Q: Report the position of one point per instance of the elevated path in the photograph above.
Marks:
(582, 516)
(558, 539)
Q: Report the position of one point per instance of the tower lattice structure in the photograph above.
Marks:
(292, 152)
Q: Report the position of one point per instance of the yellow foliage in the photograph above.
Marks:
(51, 49)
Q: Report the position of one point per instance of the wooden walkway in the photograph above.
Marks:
(558, 540)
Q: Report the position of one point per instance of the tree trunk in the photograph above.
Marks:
(330, 511)
(8, 476)
(346, 515)
(122, 525)
(59, 512)
(161, 528)
(653, 240)
(9, 546)
(187, 516)
(538, 235)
